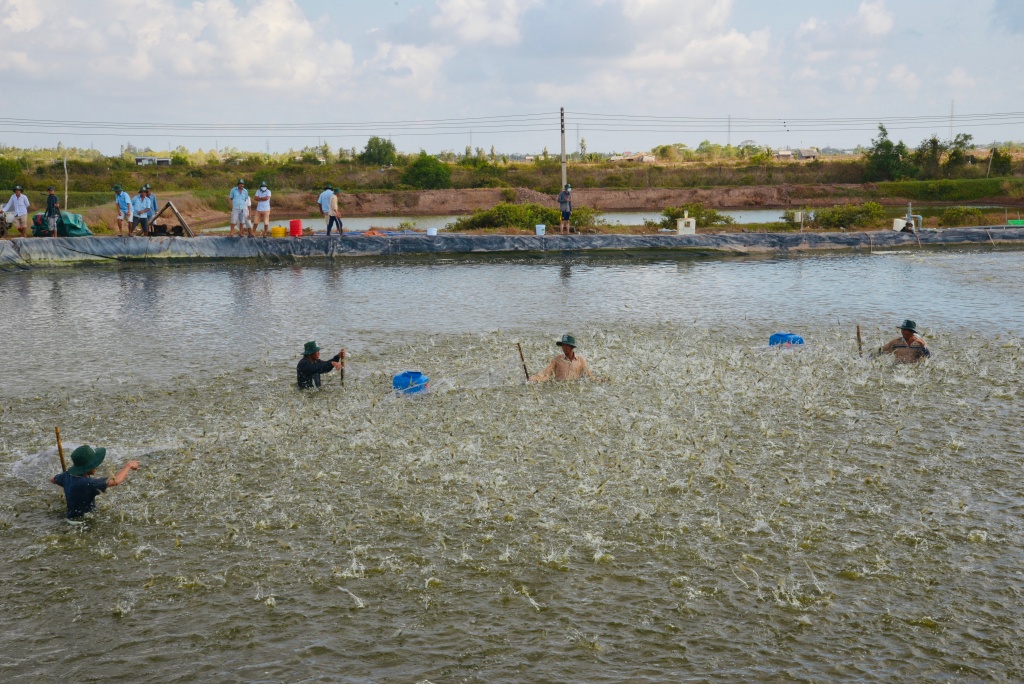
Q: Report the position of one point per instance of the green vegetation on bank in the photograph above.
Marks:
(524, 216)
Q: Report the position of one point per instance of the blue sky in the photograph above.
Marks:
(158, 70)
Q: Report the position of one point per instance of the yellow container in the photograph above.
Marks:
(278, 231)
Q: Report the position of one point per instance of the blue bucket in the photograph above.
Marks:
(410, 382)
(785, 339)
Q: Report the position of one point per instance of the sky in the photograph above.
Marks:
(264, 75)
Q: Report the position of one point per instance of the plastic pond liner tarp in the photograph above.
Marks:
(69, 225)
(49, 252)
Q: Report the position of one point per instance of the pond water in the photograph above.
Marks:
(714, 511)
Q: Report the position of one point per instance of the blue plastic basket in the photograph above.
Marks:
(410, 382)
(784, 338)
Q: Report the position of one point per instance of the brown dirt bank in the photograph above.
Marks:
(200, 214)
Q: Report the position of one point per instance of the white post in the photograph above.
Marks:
(65, 183)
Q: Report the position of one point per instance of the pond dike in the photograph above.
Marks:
(24, 253)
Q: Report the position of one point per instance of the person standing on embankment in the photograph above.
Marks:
(335, 212)
(565, 206)
(52, 210)
(238, 197)
(124, 209)
(19, 204)
(262, 209)
(142, 212)
(324, 200)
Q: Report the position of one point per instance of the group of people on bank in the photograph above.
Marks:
(135, 212)
(18, 205)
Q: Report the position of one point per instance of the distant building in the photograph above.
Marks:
(784, 154)
(641, 158)
(807, 153)
(152, 161)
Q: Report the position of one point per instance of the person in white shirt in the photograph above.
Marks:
(19, 205)
(262, 209)
(324, 200)
(239, 199)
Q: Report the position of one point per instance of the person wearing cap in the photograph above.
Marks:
(335, 213)
(909, 347)
(565, 206)
(152, 199)
(239, 198)
(141, 212)
(19, 204)
(310, 366)
(81, 490)
(123, 202)
(52, 211)
(262, 209)
(566, 366)
(324, 200)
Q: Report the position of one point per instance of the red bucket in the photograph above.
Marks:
(295, 228)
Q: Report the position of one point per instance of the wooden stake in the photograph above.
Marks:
(860, 344)
(60, 450)
(523, 359)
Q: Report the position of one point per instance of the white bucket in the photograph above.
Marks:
(431, 232)
(540, 228)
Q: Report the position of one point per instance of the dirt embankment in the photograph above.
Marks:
(199, 214)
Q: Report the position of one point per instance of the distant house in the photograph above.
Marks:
(641, 158)
(807, 153)
(784, 154)
(152, 161)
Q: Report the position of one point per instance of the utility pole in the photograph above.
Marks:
(564, 178)
(951, 104)
(728, 136)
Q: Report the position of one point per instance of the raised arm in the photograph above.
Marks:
(122, 474)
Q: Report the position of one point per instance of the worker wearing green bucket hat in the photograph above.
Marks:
(909, 347)
(310, 366)
(80, 490)
(566, 366)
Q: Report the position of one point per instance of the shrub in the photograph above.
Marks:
(586, 217)
(695, 210)
(961, 216)
(427, 173)
(505, 215)
(378, 152)
(849, 215)
(509, 195)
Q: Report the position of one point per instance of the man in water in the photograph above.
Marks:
(566, 366)
(909, 347)
(80, 490)
(324, 200)
(239, 198)
(310, 367)
(123, 202)
(565, 206)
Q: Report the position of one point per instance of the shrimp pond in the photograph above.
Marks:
(714, 511)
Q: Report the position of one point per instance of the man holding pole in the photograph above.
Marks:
(310, 366)
(909, 347)
(80, 490)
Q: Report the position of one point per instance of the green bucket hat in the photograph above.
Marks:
(240, 182)
(909, 325)
(263, 184)
(337, 191)
(566, 340)
(117, 188)
(311, 348)
(86, 459)
(17, 187)
(327, 186)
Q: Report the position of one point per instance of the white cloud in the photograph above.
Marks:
(904, 79)
(875, 18)
(479, 21)
(959, 79)
(21, 16)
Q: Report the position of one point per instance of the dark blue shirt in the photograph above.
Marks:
(309, 371)
(80, 492)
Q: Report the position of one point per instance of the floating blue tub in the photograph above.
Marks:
(410, 382)
(785, 339)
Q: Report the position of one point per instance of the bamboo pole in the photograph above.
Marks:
(860, 343)
(523, 359)
(60, 450)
